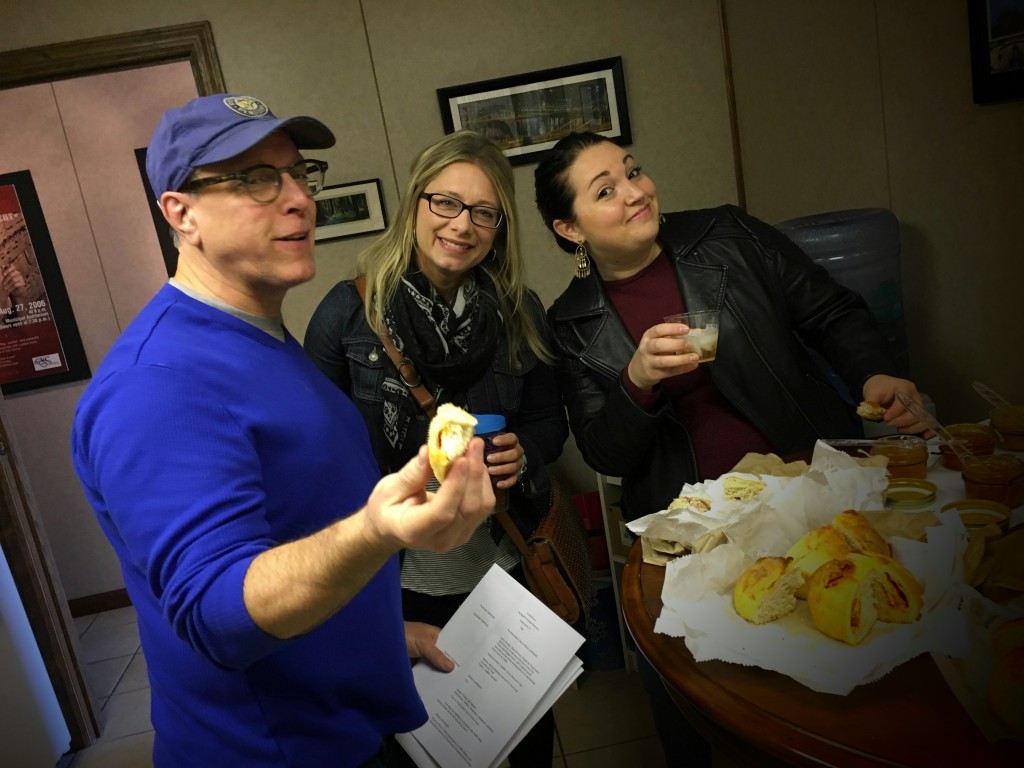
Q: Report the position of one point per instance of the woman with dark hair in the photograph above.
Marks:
(640, 406)
(446, 282)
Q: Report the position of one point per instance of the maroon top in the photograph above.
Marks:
(720, 435)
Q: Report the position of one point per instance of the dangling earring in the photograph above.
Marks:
(661, 219)
(582, 261)
(491, 255)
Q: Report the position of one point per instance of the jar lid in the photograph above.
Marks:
(999, 468)
(909, 492)
(970, 428)
(977, 513)
(1008, 418)
(486, 423)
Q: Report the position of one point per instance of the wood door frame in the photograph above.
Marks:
(22, 534)
(128, 50)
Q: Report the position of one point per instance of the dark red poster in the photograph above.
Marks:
(38, 345)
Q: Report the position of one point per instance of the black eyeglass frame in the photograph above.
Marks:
(243, 176)
(429, 197)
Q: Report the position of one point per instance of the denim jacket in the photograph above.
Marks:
(341, 343)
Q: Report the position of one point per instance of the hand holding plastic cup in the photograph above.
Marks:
(703, 335)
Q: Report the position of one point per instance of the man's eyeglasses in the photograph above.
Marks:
(450, 208)
(263, 182)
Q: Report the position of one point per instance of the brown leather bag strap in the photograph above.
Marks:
(513, 533)
(406, 370)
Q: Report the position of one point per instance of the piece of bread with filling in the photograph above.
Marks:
(871, 411)
(813, 550)
(696, 503)
(897, 594)
(840, 597)
(741, 488)
(448, 437)
(860, 534)
(765, 590)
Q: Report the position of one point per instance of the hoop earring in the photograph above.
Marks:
(491, 255)
(582, 261)
(661, 219)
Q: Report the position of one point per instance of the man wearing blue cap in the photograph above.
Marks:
(237, 485)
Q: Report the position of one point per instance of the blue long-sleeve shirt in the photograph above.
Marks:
(201, 442)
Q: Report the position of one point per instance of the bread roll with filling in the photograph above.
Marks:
(871, 411)
(897, 594)
(741, 488)
(840, 596)
(815, 549)
(860, 534)
(448, 437)
(765, 590)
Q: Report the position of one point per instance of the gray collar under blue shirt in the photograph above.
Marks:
(271, 325)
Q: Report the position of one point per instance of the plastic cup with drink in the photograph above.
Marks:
(703, 334)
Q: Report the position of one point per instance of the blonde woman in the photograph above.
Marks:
(447, 282)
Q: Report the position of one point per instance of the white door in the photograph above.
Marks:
(78, 138)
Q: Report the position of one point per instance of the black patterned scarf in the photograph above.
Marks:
(451, 344)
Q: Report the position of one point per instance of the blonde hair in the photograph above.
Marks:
(385, 263)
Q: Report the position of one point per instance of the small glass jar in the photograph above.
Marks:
(995, 478)
(980, 513)
(488, 425)
(979, 439)
(1008, 421)
(908, 455)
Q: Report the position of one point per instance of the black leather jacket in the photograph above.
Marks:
(774, 300)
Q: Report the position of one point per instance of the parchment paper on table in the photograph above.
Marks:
(794, 496)
(697, 595)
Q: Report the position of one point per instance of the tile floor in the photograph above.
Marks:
(605, 721)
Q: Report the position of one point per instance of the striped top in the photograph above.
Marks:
(457, 571)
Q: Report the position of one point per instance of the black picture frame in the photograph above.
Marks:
(163, 229)
(41, 341)
(526, 114)
(350, 210)
(997, 49)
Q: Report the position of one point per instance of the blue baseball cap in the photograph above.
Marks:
(210, 129)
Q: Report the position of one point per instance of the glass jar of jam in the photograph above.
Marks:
(999, 477)
(979, 439)
(1008, 421)
(908, 455)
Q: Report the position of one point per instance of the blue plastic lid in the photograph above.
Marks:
(487, 423)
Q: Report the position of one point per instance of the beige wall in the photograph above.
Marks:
(856, 103)
(371, 71)
(867, 103)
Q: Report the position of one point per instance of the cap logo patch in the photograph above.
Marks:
(246, 106)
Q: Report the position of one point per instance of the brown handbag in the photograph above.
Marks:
(556, 560)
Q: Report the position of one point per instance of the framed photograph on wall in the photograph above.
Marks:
(997, 49)
(163, 229)
(526, 114)
(39, 341)
(346, 210)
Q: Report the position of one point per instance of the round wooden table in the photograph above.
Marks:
(908, 718)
